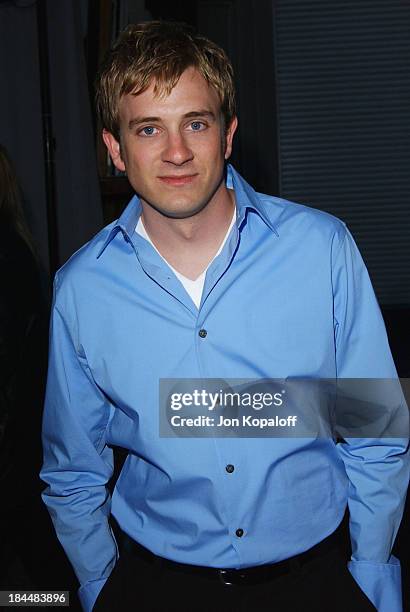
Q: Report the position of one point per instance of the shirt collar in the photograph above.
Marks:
(245, 196)
(126, 223)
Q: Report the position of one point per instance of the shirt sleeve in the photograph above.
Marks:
(377, 468)
(77, 462)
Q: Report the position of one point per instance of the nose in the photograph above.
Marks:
(176, 150)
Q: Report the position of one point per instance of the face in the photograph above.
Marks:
(173, 148)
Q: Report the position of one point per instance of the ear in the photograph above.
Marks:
(229, 137)
(114, 149)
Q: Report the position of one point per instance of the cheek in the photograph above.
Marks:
(142, 157)
(211, 151)
(137, 149)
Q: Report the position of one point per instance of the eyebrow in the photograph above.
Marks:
(192, 114)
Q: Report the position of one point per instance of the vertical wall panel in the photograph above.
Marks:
(343, 75)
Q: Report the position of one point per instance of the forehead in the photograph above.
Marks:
(191, 93)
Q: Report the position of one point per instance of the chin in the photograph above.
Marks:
(184, 212)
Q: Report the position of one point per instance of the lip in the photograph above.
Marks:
(175, 180)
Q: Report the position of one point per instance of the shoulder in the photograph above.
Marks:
(285, 213)
(286, 217)
(19, 270)
(13, 248)
(304, 226)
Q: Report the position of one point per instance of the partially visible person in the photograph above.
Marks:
(22, 314)
(30, 557)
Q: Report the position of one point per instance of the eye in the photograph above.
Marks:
(197, 126)
(149, 130)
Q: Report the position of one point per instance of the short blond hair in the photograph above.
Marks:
(160, 51)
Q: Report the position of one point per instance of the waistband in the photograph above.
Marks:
(248, 575)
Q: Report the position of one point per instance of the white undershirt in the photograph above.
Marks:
(195, 287)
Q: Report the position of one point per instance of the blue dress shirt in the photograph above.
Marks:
(288, 296)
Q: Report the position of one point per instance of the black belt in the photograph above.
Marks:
(248, 575)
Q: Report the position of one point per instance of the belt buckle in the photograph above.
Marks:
(231, 577)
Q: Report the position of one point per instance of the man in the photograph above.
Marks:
(202, 278)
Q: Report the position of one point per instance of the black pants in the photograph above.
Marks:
(323, 584)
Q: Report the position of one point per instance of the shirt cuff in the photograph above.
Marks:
(89, 592)
(381, 582)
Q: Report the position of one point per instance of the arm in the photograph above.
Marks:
(77, 462)
(23, 355)
(378, 469)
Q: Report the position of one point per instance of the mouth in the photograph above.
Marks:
(176, 180)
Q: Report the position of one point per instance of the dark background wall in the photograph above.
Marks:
(323, 90)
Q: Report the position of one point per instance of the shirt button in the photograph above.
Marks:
(229, 468)
(202, 333)
(239, 533)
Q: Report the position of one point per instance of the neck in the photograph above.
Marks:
(190, 244)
